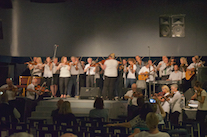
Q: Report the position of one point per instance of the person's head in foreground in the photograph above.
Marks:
(98, 104)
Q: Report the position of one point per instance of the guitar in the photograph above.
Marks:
(143, 76)
(189, 74)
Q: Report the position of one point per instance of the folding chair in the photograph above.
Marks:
(178, 133)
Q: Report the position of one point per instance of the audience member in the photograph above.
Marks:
(200, 95)
(175, 104)
(21, 134)
(152, 123)
(99, 110)
(65, 114)
(55, 112)
(8, 113)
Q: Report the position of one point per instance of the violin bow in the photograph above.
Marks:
(96, 59)
(142, 57)
(103, 58)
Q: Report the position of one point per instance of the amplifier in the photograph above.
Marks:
(90, 92)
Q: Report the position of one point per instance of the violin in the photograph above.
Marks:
(131, 67)
(38, 88)
(31, 63)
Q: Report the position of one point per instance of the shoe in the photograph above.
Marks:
(61, 96)
(52, 96)
(64, 96)
(77, 97)
(68, 96)
(116, 98)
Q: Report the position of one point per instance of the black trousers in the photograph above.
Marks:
(174, 117)
(108, 88)
(200, 117)
(63, 85)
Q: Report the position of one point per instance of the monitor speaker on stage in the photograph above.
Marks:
(1, 30)
(172, 26)
(90, 92)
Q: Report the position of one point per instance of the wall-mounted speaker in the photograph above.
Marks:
(1, 30)
(172, 26)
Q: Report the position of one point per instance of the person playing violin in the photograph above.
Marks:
(31, 92)
(10, 89)
(36, 68)
(82, 75)
(90, 73)
(47, 74)
(74, 70)
(165, 69)
(122, 74)
(159, 65)
(183, 66)
(139, 64)
(110, 67)
(56, 73)
(131, 78)
(64, 76)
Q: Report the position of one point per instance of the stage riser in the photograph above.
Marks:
(79, 107)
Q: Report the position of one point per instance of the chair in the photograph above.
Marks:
(46, 127)
(178, 133)
(35, 122)
(19, 126)
(41, 133)
(193, 127)
(68, 129)
(4, 132)
(118, 130)
(88, 123)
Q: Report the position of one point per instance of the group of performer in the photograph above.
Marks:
(113, 73)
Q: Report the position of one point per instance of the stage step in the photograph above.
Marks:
(79, 107)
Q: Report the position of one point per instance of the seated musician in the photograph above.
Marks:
(165, 69)
(176, 75)
(31, 92)
(131, 78)
(90, 73)
(10, 89)
(148, 72)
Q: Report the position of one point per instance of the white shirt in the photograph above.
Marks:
(54, 69)
(147, 134)
(111, 68)
(131, 75)
(130, 94)
(145, 69)
(47, 71)
(10, 93)
(176, 75)
(90, 71)
(37, 71)
(166, 70)
(64, 72)
(166, 105)
(175, 102)
(204, 105)
(31, 94)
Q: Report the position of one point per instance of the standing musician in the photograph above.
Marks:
(31, 92)
(110, 67)
(200, 96)
(165, 69)
(90, 73)
(139, 64)
(47, 74)
(74, 70)
(10, 89)
(148, 71)
(99, 76)
(64, 68)
(82, 76)
(183, 66)
(159, 65)
(123, 74)
(56, 73)
(176, 75)
(192, 70)
(36, 68)
(30, 63)
(153, 68)
(131, 77)
(175, 104)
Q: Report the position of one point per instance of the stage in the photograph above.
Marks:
(80, 107)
